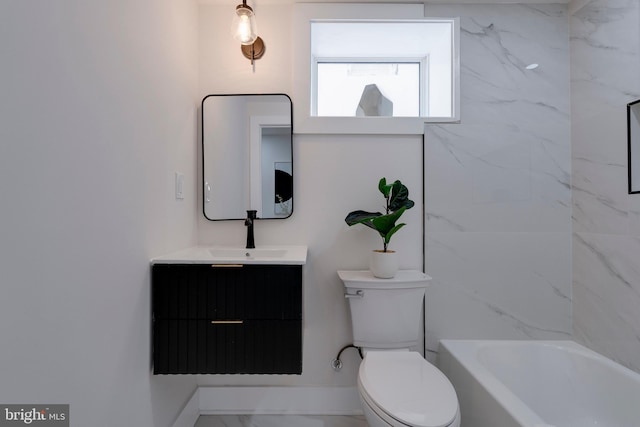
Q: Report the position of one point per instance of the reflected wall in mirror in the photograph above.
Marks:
(633, 148)
(247, 159)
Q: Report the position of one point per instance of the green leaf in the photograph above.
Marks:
(384, 188)
(385, 223)
(391, 232)
(400, 197)
(361, 217)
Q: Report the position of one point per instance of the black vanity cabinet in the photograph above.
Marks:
(233, 319)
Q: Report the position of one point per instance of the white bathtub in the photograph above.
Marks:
(539, 384)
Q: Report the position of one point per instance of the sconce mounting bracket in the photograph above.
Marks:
(253, 51)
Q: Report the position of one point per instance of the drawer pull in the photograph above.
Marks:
(227, 322)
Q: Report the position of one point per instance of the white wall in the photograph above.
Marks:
(98, 110)
(605, 64)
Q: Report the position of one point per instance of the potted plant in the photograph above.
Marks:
(384, 263)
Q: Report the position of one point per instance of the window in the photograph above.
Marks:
(349, 87)
(395, 62)
(366, 64)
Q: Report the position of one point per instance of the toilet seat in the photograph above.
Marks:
(407, 389)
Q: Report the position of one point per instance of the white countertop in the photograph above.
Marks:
(284, 255)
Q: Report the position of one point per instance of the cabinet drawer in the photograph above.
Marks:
(203, 347)
(227, 293)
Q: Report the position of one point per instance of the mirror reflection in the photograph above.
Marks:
(247, 156)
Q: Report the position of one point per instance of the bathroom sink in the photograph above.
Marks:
(285, 255)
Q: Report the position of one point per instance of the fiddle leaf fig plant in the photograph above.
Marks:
(397, 201)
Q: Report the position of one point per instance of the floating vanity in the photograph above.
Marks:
(223, 310)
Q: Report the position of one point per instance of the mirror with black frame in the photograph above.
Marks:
(247, 158)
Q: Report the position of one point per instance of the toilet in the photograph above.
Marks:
(397, 386)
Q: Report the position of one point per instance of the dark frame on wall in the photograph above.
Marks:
(633, 146)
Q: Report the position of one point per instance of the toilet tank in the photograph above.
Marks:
(385, 313)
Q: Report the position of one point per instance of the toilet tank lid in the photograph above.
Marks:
(408, 388)
(365, 279)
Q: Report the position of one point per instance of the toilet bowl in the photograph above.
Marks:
(397, 387)
(401, 389)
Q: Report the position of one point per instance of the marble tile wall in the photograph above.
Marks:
(497, 185)
(605, 70)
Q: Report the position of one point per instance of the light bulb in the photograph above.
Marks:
(244, 25)
(244, 30)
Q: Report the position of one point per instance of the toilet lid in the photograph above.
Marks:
(408, 388)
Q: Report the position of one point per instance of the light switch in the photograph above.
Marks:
(179, 186)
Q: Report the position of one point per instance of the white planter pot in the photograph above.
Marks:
(384, 265)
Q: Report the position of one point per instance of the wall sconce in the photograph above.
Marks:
(245, 30)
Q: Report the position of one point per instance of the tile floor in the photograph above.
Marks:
(281, 421)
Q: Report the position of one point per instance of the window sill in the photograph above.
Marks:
(366, 125)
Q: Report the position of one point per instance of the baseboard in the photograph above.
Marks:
(269, 400)
(190, 413)
(280, 400)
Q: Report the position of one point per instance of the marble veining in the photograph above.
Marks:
(507, 166)
(498, 184)
(509, 285)
(604, 260)
(605, 64)
(607, 295)
(529, 330)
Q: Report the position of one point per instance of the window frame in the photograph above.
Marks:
(305, 123)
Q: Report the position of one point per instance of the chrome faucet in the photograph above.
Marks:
(251, 217)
